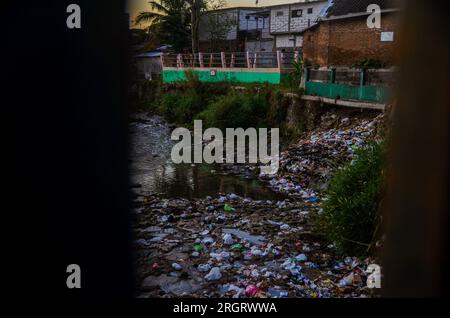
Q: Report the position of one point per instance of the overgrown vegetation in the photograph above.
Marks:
(220, 105)
(294, 78)
(350, 210)
(370, 63)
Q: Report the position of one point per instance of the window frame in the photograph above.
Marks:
(296, 11)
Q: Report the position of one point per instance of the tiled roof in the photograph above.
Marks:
(344, 7)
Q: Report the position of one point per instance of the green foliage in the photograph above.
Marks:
(297, 72)
(180, 109)
(169, 22)
(222, 106)
(167, 105)
(295, 76)
(350, 210)
(236, 109)
(370, 63)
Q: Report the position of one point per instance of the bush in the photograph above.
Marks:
(188, 106)
(218, 105)
(370, 63)
(167, 105)
(180, 109)
(350, 211)
(237, 109)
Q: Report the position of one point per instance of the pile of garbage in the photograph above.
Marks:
(306, 167)
(232, 246)
(237, 247)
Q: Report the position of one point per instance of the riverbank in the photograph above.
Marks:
(232, 245)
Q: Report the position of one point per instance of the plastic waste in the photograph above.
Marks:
(228, 239)
(197, 248)
(176, 266)
(227, 208)
(214, 274)
(236, 247)
(204, 267)
(275, 293)
(251, 291)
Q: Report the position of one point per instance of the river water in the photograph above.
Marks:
(154, 172)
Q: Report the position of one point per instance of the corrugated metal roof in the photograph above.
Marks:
(345, 7)
(149, 54)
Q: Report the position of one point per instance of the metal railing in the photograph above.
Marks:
(354, 77)
(278, 59)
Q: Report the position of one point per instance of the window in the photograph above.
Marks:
(297, 13)
(310, 10)
(280, 13)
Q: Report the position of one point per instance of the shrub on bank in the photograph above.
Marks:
(236, 109)
(222, 105)
(350, 210)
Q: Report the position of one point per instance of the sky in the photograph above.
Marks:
(136, 6)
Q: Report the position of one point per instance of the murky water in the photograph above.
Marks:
(153, 169)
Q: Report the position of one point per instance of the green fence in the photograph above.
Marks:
(213, 76)
(359, 85)
(369, 93)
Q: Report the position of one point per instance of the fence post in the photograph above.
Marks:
(248, 59)
(232, 60)
(333, 75)
(200, 59)
(224, 62)
(279, 59)
(162, 59)
(180, 60)
(362, 80)
(211, 58)
(255, 60)
(305, 78)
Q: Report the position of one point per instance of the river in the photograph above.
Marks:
(154, 172)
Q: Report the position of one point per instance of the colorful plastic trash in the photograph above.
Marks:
(197, 248)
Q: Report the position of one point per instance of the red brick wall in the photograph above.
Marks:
(348, 41)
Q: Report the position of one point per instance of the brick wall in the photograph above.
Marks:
(348, 41)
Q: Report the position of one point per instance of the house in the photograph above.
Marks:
(235, 30)
(287, 21)
(148, 64)
(342, 36)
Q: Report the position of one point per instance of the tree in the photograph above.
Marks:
(169, 22)
(218, 25)
(196, 7)
(174, 20)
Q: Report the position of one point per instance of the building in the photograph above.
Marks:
(235, 30)
(342, 37)
(287, 21)
(148, 64)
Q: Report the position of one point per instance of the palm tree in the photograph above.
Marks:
(169, 22)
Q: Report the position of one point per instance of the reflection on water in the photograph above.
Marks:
(154, 171)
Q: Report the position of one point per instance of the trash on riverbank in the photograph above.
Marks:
(237, 246)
